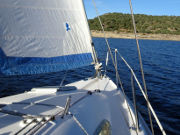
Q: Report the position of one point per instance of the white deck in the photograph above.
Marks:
(90, 110)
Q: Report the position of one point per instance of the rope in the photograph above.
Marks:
(55, 96)
(107, 43)
(141, 65)
(142, 72)
(63, 79)
(150, 107)
(79, 99)
(80, 125)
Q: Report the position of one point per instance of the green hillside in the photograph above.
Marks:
(145, 23)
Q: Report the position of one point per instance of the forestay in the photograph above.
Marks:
(39, 36)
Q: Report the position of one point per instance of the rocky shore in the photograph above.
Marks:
(140, 35)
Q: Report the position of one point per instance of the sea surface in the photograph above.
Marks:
(161, 62)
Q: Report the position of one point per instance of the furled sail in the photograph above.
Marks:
(39, 36)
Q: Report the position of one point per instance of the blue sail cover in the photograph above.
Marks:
(39, 36)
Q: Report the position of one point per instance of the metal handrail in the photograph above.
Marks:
(142, 91)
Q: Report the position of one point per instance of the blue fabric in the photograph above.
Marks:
(67, 27)
(36, 65)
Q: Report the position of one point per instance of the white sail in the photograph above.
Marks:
(39, 36)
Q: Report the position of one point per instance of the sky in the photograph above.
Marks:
(149, 7)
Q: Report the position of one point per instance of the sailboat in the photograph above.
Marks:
(42, 36)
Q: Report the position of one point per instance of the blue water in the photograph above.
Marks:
(161, 61)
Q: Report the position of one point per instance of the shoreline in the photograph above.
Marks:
(111, 34)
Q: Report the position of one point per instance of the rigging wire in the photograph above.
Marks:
(112, 58)
(109, 49)
(141, 65)
(139, 85)
(107, 43)
(140, 61)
